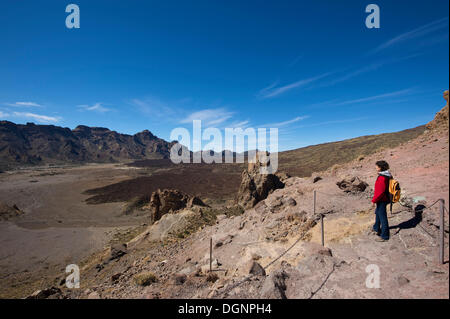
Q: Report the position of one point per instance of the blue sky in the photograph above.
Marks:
(310, 68)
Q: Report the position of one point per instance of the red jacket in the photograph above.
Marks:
(380, 193)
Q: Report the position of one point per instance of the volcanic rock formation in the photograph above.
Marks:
(440, 121)
(256, 186)
(7, 212)
(352, 185)
(169, 201)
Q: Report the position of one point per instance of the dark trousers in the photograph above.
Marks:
(381, 220)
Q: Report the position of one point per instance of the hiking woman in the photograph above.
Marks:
(381, 200)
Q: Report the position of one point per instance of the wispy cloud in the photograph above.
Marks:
(97, 107)
(430, 41)
(334, 122)
(37, 117)
(186, 110)
(288, 122)
(154, 107)
(239, 124)
(267, 89)
(356, 72)
(295, 61)
(376, 97)
(273, 91)
(413, 34)
(367, 68)
(20, 104)
(209, 116)
(352, 74)
(3, 114)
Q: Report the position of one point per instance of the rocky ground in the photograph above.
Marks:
(45, 223)
(273, 250)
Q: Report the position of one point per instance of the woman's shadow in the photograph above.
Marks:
(413, 222)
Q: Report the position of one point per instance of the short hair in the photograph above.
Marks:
(383, 165)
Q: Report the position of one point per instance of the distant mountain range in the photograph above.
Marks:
(33, 144)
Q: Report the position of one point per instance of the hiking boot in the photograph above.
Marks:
(381, 240)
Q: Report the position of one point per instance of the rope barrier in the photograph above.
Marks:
(426, 232)
(285, 252)
(425, 208)
(251, 242)
(406, 206)
(421, 210)
(248, 277)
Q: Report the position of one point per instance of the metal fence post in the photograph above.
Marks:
(321, 219)
(323, 233)
(441, 232)
(314, 203)
(210, 255)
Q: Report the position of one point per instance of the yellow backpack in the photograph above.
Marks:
(394, 191)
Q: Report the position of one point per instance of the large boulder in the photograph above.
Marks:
(8, 212)
(274, 286)
(352, 185)
(169, 226)
(255, 186)
(169, 201)
(116, 251)
(49, 293)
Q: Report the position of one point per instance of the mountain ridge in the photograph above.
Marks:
(32, 144)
